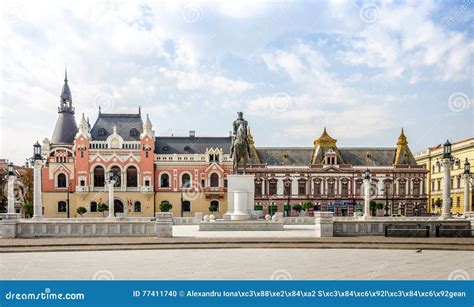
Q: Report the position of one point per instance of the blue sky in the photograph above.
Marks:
(363, 69)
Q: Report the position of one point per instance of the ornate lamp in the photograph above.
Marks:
(447, 149)
(10, 169)
(367, 174)
(37, 151)
(467, 167)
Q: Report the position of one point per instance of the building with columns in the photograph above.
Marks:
(331, 178)
(429, 157)
(191, 172)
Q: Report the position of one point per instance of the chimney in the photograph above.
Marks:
(192, 133)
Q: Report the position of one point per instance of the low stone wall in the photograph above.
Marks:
(299, 220)
(26, 228)
(241, 226)
(377, 227)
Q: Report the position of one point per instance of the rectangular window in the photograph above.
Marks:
(401, 189)
(458, 201)
(203, 183)
(225, 183)
(147, 183)
(317, 188)
(439, 185)
(331, 189)
(272, 187)
(83, 183)
(458, 183)
(344, 189)
(302, 188)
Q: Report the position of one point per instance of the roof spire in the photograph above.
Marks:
(65, 74)
(140, 110)
(65, 103)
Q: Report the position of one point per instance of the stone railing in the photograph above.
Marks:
(298, 220)
(161, 226)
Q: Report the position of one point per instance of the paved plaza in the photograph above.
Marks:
(239, 264)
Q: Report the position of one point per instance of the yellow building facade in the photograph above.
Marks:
(461, 150)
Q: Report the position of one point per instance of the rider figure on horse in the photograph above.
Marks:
(240, 148)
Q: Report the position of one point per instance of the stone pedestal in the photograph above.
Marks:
(446, 213)
(240, 197)
(37, 201)
(164, 224)
(8, 228)
(324, 224)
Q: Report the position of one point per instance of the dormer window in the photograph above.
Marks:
(133, 132)
(101, 132)
(213, 158)
(330, 158)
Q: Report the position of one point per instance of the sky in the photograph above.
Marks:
(363, 69)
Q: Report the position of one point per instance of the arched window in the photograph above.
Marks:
(117, 175)
(132, 176)
(186, 181)
(214, 180)
(186, 206)
(214, 206)
(62, 182)
(93, 206)
(137, 206)
(165, 181)
(99, 176)
(62, 206)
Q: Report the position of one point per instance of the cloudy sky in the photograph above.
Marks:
(362, 69)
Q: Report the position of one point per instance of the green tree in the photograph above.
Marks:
(81, 210)
(306, 205)
(102, 208)
(165, 206)
(297, 208)
(28, 209)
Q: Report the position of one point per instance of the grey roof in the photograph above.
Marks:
(370, 156)
(65, 129)
(123, 122)
(301, 156)
(285, 156)
(190, 145)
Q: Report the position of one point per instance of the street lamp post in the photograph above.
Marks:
(288, 192)
(447, 161)
(367, 177)
(468, 176)
(11, 190)
(111, 183)
(182, 200)
(37, 161)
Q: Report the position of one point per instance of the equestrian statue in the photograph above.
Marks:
(240, 147)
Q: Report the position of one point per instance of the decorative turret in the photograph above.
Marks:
(84, 128)
(66, 128)
(253, 150)
(403, 155)
(325, 144)
(147, 129)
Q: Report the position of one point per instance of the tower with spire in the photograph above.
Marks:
(66, 127)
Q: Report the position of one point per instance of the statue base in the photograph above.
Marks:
(240, 197)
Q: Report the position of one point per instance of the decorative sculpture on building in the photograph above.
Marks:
(240, 147)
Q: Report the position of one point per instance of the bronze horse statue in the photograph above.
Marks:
(240, 149)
